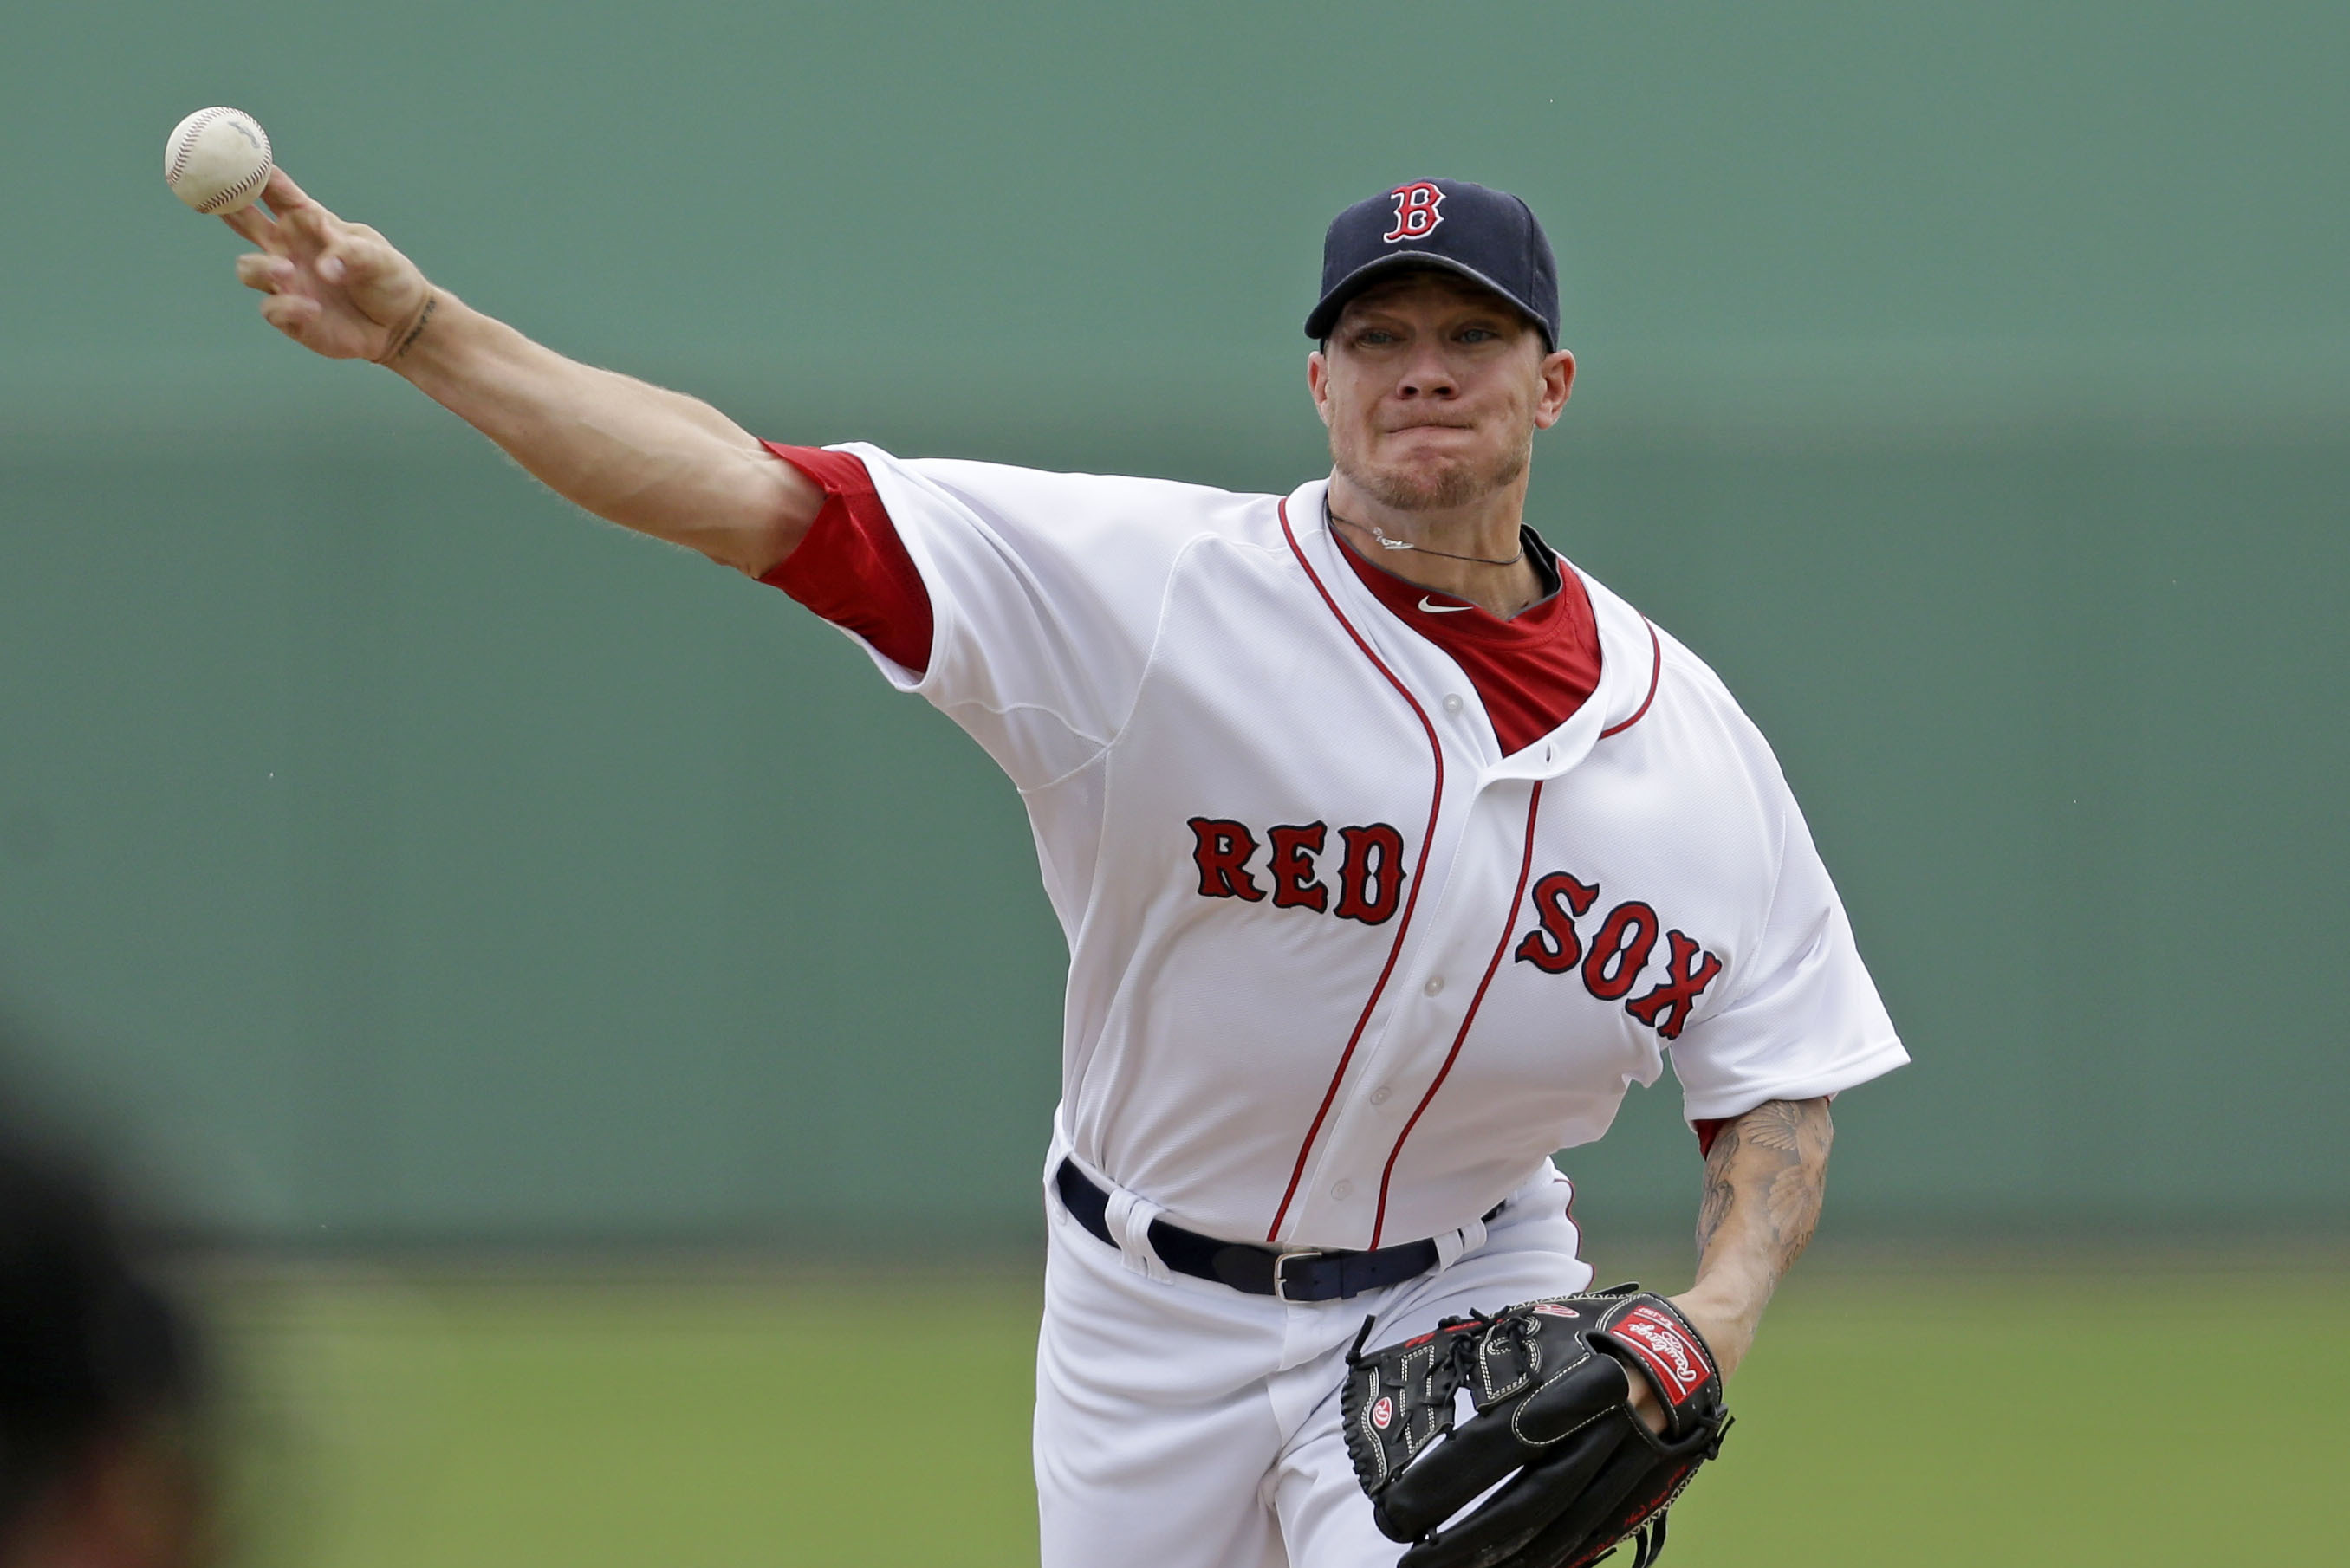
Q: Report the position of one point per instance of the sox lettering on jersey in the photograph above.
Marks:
(1667, 1008)
(1370, 887)
(1620, 950)
(1418, 212)
(1552, 946)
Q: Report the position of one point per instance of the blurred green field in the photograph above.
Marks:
(2114, 1412)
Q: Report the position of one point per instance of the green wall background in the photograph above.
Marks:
(398, 855)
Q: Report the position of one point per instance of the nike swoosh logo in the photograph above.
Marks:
(1442, 609)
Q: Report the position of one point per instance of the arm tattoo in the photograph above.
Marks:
(1769, 1169)
(432, 301)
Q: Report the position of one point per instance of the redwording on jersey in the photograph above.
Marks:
(1195, 689)
(1368, 886)
(852, 568)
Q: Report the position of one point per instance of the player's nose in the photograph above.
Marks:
(1428, 376)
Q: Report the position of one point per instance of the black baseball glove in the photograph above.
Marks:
(1554, 1422)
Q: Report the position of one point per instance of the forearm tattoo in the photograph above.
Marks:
(432, 301)
(1769, 1170)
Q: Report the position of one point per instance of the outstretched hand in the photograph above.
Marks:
(337, 289)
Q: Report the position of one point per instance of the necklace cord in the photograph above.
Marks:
(1374, 529)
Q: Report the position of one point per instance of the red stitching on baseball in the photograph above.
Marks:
(187, 148)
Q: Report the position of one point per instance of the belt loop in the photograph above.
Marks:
(1454, 1245)
(1128, 1218)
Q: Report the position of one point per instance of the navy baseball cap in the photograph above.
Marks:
(1488, 236)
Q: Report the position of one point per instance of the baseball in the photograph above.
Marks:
(217, 159)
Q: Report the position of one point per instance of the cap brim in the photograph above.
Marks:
(1326, 314)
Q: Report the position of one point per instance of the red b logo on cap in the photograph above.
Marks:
(1416, 212)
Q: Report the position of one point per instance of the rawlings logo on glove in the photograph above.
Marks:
(1678, 1367)
(1553, 1421)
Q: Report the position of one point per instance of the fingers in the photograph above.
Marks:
(286, 199)
(298, 210)
(266, 273)
(291, 314)
(255, 226)
(357, 257)
(292, 219)
(346, 259)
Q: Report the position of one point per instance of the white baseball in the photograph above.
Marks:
(217, 159)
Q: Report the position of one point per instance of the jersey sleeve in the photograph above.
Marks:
(852, 568)
(1805, 1019)
(1041, 595)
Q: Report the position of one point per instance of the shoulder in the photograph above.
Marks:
(1684, 706)
(1083, 511)
(1693, 680)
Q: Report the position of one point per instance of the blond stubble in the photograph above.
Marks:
(1455, 484)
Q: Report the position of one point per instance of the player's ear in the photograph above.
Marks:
(1317, 382)
(1558, 383)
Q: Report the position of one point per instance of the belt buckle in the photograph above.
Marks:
(1281, 1280)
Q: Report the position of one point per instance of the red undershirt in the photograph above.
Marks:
(1530, 671)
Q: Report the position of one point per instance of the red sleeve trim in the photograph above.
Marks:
(1656, 674)
(852, 568)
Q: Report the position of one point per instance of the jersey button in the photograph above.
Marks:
(1343, 1192)
(1381, 1095)
(1453, 703)
(1435, 984)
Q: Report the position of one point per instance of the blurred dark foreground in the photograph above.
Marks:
(105, 1457)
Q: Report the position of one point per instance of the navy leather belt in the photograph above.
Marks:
(1302, 1276)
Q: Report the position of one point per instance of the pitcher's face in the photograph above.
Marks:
(1433, 388)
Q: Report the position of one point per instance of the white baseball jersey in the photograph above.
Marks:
(1342, 973)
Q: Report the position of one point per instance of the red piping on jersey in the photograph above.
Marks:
(1427, 839)
(1509, 929)
(1656, 671)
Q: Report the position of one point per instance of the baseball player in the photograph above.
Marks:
(1389, 846)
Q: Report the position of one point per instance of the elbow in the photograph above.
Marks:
(756, 550)
(775, 514)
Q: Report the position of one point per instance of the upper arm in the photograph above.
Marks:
(1045, 592)
(1802, 1018)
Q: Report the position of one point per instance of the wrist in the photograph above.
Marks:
(432, 340)
(1726, 1326)
(404, 336)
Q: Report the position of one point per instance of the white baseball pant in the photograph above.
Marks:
(1183, 1424)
